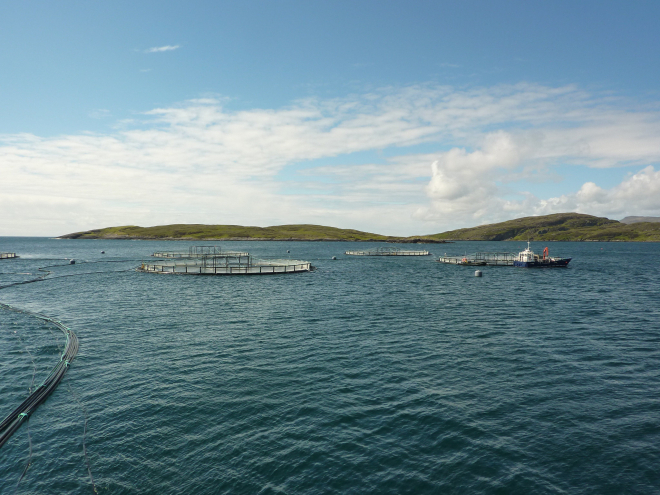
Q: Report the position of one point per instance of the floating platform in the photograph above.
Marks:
(5, 256)
(387, 251)
(198, 252)
(227, 265)
(480, 259)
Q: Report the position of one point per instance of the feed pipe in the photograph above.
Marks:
(15, 419)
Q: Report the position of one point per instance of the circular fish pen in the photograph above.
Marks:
(227, 265)
(387, 251)
(198, 252)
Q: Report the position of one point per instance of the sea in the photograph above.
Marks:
(368, 375)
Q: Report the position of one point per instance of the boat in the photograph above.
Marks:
(528, 259)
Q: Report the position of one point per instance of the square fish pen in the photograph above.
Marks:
(198, 252)
(6, 256)
(387, 251)
(227, 264)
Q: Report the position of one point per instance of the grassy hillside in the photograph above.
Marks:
(238, 232)
(557, 227)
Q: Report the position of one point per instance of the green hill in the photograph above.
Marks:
(557, 227)
(237, 232)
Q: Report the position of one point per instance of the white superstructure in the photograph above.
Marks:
(527, 256)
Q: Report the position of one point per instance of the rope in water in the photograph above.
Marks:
(18, 416)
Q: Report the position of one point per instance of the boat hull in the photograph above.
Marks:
(552, 263)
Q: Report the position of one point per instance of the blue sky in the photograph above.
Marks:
(393, 117)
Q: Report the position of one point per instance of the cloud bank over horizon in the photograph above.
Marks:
(398, 160)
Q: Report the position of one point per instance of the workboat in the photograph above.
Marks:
(527, 259)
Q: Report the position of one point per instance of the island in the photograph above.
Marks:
(302, 232)
(555, 227)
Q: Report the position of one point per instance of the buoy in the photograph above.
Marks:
(288, 251)
(477, 273)
(72, 262)
(102, 252)
(334, 257)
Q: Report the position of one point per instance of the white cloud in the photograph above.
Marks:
(640, 190)
(200, 163)
(465, 185)
(158, 49)
(473, 186)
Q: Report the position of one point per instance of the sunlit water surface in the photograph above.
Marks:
(368, 375)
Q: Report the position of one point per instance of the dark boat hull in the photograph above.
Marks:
(551, 263)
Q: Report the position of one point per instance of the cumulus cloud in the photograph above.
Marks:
(642, 190)
(478, 185)
(475, 185)
(158, 49)
(201, 162)
(464, 184)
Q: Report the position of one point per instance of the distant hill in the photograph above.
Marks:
(557, 227)
(302, 232)
(640, 219)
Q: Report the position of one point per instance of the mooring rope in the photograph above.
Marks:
(34, 365)
(84, 409)
(34, 373)
(29, 461)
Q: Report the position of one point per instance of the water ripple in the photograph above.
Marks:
(366, 376)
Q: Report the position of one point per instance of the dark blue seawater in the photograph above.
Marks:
(368, 375)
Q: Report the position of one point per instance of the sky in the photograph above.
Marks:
(399, 118)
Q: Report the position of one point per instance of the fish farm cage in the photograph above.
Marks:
(387, 251)
(198, 252)
(5, 256)
(480, 259)
(227, 265)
